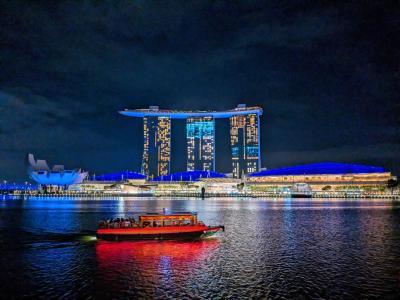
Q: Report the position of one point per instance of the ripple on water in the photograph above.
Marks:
(271, 249)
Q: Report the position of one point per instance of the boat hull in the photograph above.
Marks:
(156, 233)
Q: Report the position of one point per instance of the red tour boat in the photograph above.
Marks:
(182, 225)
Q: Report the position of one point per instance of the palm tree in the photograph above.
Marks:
(326, 188)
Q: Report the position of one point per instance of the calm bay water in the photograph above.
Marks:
(270, 249)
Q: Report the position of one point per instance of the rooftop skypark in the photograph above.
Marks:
(155, 111)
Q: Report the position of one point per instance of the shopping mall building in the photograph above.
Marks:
(326, 176)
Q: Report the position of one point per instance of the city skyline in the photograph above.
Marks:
(199, 149)
(326, 75)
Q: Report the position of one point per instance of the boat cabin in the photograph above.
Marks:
(161, 220)
(153, 220)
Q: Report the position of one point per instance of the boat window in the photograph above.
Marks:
(157, 223)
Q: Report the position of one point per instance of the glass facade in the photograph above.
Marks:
(200, 143)
(157, 146)
(245, 144)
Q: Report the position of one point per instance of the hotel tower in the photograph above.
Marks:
(245, 144)
(157, 146)
(200, 139)
(200, 143)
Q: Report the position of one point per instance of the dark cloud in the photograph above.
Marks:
(326, 75)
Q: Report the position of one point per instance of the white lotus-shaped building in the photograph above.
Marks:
(39, 171)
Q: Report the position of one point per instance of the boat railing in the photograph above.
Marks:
(129, 223)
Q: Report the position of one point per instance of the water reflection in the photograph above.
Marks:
(272, 248)
(154, 266)
(150, 253)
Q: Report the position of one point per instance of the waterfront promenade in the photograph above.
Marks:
(395, 195)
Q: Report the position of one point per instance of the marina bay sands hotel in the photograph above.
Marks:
(200, 137)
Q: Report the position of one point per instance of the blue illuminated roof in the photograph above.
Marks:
(177, 114)
(118, 176)
(189, 176)
(320, 168)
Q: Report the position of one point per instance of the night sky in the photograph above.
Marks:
(326, 75)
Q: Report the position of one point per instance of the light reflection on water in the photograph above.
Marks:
(150, 265)
(271, 248)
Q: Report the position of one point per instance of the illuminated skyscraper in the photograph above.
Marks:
(200, 138)
(200, 143)
(245, 144)
(157, 146)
